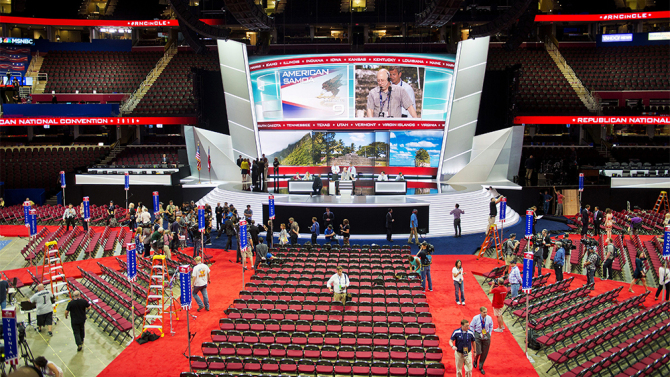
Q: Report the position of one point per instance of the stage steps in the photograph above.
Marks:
(474, 203)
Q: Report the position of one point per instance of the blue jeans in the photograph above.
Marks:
(458, 286)
(425, 274)
(545, 207)
(3, 304)
(515, 290)
(202, 289)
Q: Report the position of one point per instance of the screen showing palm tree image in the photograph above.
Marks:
(415, 148)
(315, 148)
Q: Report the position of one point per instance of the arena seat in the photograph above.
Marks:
(621, 67)
(172, 93)
(133, 156)
(542, 88)
(102, 71)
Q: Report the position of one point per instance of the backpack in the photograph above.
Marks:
(429, 260)
(599, 261)
(615, 252)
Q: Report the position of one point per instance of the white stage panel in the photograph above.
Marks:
(142, 179)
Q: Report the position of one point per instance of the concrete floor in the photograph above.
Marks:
(99, 348)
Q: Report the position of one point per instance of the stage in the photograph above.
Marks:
(366, 213)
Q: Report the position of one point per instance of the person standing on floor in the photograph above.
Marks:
(69, 216)
(337, 284)
(77, 307)
(640, 271)
(546, 202)
(559, 261)
(499, 291)
(457, 212)
(530, 166)
(315, 229)
(462, 341)
(201, 279)
(598, 217)
(493, 212)
(84, 223)
(609, 222)
(426, 261)
(389, 225)
(328, 218)
(457, 275)
(663, 281)
(559, 202)
(413, 227)
(609, 259)
(591, 260)
(345, 229)
(218, 211)
(283, 235)
(481, 325)
(515, 280)
(4, 288)
(294, 231)
(585, 220)
(45, 309)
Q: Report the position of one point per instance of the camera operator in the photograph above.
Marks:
(425, 254)
(509, 248)
(559, 261)
(538, 254)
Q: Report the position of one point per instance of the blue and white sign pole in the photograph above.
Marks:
(185, 300)
(9, 332)
(126, 186)
(581, 189)
(243, 241)
(131, 264)
(33, 223)
(26, 213)
(527, 279)
(156, 204)
(271, 216)
(87, 209)
(201, 229)
(62, 186)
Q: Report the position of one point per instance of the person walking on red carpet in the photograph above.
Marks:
(457, 275)
(201, 279)
(499, 291)
(482, 326)
(461, 342)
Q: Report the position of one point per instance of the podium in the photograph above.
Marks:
(345, 187)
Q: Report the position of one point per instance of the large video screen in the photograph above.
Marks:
(352, 92)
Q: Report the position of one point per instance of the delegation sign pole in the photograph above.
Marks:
(666, 254)
(527, 280)
(185, 301)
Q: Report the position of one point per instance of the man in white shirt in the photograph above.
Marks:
(352, 172)
(336, 171)
(396, 79)
(383, 177)
(70, 215)
(200, 276)
(338, 284)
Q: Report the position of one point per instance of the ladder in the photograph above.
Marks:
(492, 236)
(662, 203)
(53, 274)
(155, 305)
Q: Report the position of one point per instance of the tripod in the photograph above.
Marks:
(171, 302)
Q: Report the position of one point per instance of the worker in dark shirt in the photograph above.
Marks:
(77, 307)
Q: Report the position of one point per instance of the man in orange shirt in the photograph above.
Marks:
(499, 292)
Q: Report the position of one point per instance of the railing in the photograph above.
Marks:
(132, 100)
(551, 45)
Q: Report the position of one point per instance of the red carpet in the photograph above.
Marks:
(164, 356)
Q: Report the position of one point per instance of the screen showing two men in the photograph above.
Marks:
(368, 86)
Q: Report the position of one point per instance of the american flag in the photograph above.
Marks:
(197, 157)
(209, 160)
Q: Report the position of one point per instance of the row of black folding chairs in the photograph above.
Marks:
(608, 337)
(329, 352)
(341, 248)
(118, 300)
(539, 293)
(565, 298)
(255, 367)
(630, 357)
(399, 281)
(363, 311)
(315, 292)
(547, 322)
(349, 323)
(606, 316)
